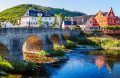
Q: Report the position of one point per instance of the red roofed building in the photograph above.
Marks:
(105, 18)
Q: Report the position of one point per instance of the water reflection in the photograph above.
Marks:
(100, 61)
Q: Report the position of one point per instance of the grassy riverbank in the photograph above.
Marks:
(97, 42)
(13, 66)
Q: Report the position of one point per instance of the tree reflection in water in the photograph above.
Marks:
(106, 57)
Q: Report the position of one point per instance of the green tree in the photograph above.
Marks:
(0, 25)
(47, 23)
(40, 21)
(62, 17)
(55, 23)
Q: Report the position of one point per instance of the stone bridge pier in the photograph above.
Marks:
(18, 40)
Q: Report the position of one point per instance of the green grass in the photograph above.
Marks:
(105, 42)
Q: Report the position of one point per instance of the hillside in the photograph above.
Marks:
(14, 13)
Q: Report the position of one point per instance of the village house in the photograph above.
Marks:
(69, 24)
(30, 18)
(85, 22)
(7, 25)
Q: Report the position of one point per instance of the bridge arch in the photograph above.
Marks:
(56, 40)
(33, 44)
(4, 52)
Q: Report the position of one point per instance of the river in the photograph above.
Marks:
(81, 65)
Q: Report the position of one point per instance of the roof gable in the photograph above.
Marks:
(111, 13)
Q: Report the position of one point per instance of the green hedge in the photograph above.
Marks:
(112, 27)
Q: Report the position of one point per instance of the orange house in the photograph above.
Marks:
(102, 19)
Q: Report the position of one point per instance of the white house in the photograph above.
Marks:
(30, 18)
(8, 24)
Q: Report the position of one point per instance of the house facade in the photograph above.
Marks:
(105, 18)
(7, 24)
(30, 18)
(84, 22)
(69, 24)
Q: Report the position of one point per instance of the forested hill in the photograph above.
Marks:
(14, 13)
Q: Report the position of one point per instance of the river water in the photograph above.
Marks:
(97, 64)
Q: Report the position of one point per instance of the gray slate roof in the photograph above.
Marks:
(81, 20)
(117, 18)
(35, 13)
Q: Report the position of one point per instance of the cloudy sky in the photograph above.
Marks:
(86, 6)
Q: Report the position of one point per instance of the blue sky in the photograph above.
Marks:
(86, 6)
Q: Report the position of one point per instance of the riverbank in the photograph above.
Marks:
(96, 43)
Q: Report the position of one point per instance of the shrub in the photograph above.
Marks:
(43, 53)
(14, 66)
(58, 52)
(5, 65)
(70, 45)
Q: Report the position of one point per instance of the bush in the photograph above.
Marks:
(58, 52)
(5, 65)
(43, 53)
(70, 45)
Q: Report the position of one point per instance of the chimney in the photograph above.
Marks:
(110, 8)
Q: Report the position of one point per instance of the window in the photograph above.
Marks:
(93, 21)
(116, 22)
(103, 20)
(111, 15)
(97, 21)
(112, 20)
(82, 20)
(100, 20)
(33, 18)
(49, 18)
(109, 20)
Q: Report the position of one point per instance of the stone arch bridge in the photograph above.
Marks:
(14, 38)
